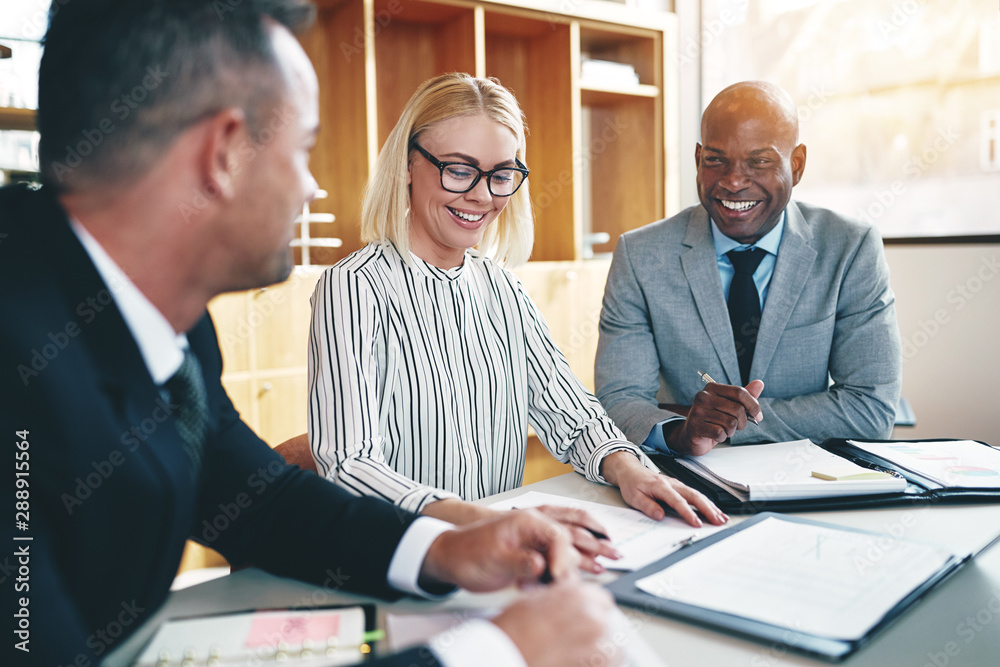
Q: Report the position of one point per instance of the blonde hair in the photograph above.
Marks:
(384, 210)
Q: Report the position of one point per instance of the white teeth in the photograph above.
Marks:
(468, 217)
(738, 205)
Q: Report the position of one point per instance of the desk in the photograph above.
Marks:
(957, 625)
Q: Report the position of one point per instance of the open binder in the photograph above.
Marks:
(892, 457)
(803, 585)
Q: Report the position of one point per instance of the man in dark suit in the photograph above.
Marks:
(174, 151)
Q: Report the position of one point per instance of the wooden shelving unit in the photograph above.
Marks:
(17, 119)
(598, 151)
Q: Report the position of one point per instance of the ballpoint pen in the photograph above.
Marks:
(685, 542)
(706, 378)
(596, 533)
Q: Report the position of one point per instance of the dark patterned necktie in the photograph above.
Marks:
(744, 306)
(187, 391)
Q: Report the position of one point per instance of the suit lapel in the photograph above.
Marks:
(702, 273)
(118, 363)
(117, 356)
(795, 260)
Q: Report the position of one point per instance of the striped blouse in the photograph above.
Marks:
(422, 381)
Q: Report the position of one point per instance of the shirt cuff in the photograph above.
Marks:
(655, 440)
(419, 497)
(404, 568)
(476, 642)
(594, 464)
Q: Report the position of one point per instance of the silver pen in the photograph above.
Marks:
(706, 378)
(685, 542)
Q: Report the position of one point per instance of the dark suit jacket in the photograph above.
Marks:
(110, 500)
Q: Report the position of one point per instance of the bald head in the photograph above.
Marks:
(755, 99)
(749, 158)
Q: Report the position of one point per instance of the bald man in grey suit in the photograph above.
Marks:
(823, 357)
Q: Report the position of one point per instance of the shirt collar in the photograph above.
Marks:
(768, 242)
(430, 271)
(161, 347)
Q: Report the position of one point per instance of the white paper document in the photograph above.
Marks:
(640, 540)
(783, 471)
(816, 580)
(962, 463)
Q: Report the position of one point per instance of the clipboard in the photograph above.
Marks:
(828, 648)
(918, 490)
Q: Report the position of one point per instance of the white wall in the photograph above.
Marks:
(948, 304)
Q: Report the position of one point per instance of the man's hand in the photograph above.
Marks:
(517, 547)
(644, 490)
(589, 537)
(718, 411)
(564, 624)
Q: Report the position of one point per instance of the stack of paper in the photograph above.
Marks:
(787, 471)
(606, 72)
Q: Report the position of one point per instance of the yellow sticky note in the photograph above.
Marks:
(849, 474)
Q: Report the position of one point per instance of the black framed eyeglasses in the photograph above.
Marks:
(461, 177)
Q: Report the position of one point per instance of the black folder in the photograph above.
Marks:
(919, 490)
(827, 648)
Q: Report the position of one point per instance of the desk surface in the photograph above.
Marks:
(957, 624)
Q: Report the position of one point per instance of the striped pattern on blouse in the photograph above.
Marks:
(423, 379)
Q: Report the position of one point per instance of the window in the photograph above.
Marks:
(21, 29)
(989, 156)
(897, 101)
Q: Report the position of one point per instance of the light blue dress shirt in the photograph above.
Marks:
(761, 278)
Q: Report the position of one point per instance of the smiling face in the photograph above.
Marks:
(748, 160)
(444, 224)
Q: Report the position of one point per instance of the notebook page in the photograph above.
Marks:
(783, 470)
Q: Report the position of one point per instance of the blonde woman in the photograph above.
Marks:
(428, 359)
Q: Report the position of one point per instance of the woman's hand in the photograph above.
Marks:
(646, 490)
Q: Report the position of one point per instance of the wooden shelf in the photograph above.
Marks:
(602, 94)
(17, 119)
(372, 54)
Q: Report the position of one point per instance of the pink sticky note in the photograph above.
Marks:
(268, 629)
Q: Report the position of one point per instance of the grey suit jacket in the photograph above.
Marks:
(828, 349)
